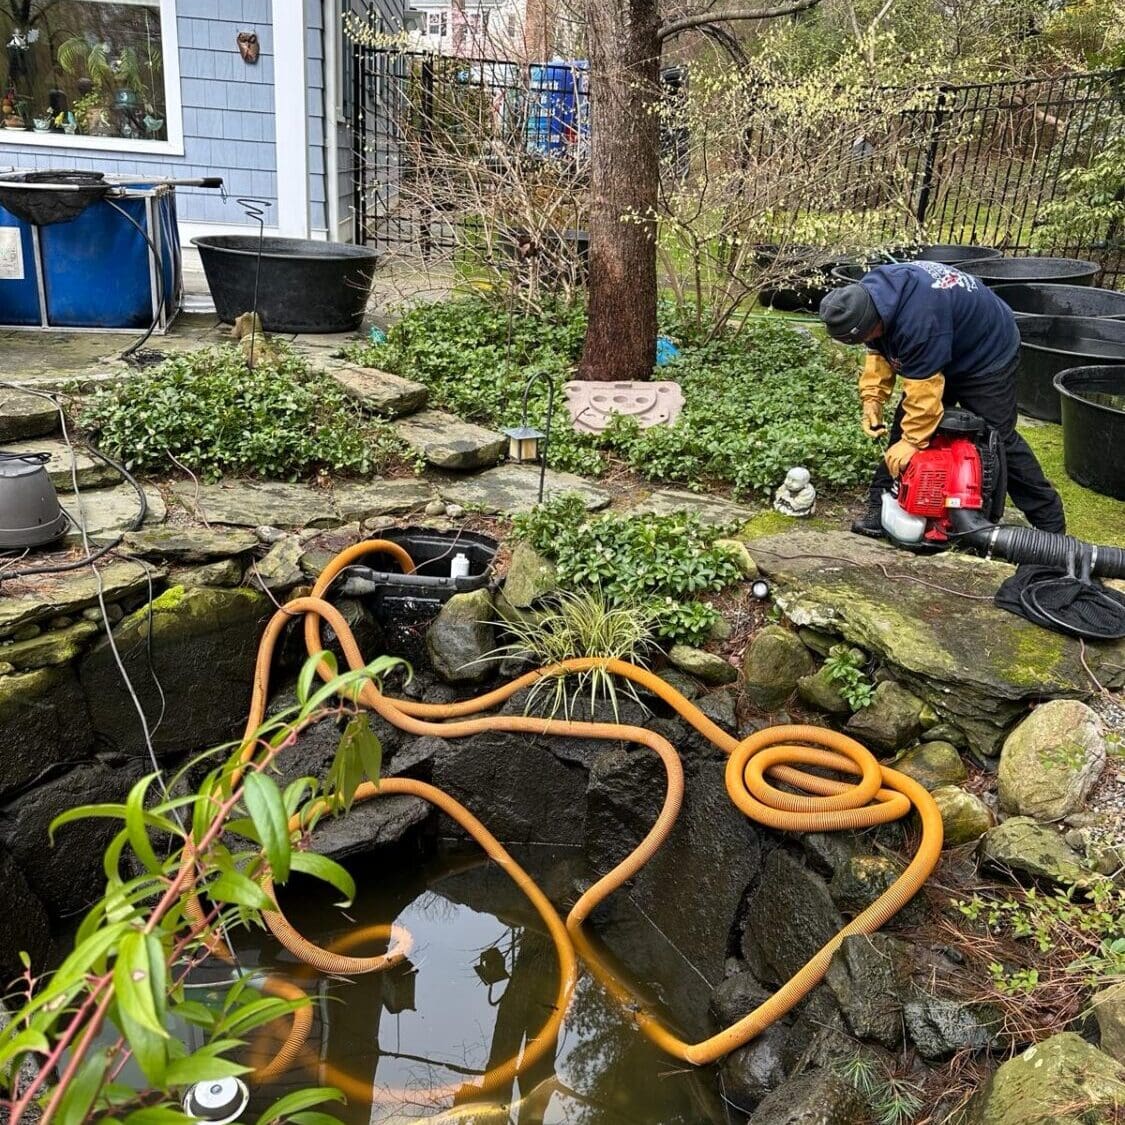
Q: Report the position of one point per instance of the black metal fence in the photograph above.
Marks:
(975, 163)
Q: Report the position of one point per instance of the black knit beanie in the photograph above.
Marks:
(849, 314)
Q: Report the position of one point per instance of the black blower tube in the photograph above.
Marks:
(1030, 545)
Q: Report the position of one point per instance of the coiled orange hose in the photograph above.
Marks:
(880, 795)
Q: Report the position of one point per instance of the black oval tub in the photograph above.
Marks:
(1062, 300)
(1045, 271)
(306, 286)
(1093, 422)
(1050, 344)
(953, 254)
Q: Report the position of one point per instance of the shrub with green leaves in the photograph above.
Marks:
(213, 415)
(664, 564)
(757, 401)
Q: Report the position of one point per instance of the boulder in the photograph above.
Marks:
(446, 442)
(891, 721)
(775, 660)
(870, 978)
(739, 552)
(704, 666)
(788, 918)
(735, 997)
(200, 645)
(964, 816)
(940, 1026)
(817, 1098)
(531, 577)
(462, 637)
(43, 724)
(1109, 1009)
(1052, 760)
(1026, 847)
(932, 764)
(821, 692)
(24, 926)
(752, 1072)
(859, 881)
(1061, 1081)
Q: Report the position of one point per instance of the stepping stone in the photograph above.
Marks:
(373, 499)
(91, 472)
(448, 443)
(509, 489)
(197, 545)
(666, 501)
(25, 416)
(380, 392)
(108, 512)
(258, 503)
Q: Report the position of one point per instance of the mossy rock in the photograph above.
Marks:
(1026, 847)
(50, 649)
(531, 577)
(964, 816)
(932, 764)
(775, 661)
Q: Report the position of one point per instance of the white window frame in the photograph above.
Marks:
(173, 104)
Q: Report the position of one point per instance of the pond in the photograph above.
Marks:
(481, 979)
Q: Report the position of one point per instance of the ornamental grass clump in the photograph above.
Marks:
(206, 411)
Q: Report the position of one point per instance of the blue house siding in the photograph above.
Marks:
(228, 116)
(314, 53)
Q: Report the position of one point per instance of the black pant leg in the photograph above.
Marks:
(994, 399)
(882, 480)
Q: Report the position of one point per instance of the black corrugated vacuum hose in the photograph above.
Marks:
(1030, 545)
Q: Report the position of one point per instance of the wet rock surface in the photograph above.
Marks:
(870, 977)
(1027, 848)
(892, 720)
(775, 661)
(462, 637)
(817, 1098)
(371, 825)
(24, 925)
(940, 1027)
(932, 764)
(964, 816)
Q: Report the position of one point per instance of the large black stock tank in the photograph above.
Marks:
(1050, 344)
(1093, 422)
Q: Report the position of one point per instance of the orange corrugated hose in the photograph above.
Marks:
(879, 795)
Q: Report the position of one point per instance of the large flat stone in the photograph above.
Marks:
(931, 619)
(64, 595)
(358, 501)
(91, 472)
(197, 545)
(25, 416)
(508, 489)
(448, 443)
(710, 509)
(380, 392)
(50, 649)
(108, 512)
(258, 503)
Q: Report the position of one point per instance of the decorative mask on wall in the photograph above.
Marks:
(249, 47)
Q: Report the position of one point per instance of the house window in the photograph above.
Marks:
(90, 74)
(438, 24)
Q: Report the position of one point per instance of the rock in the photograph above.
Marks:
(27, 633)
(870, 978)
(1025, 846)
(964, 816)
(829, 851)
(752, 1072)
(24, 926)
(530, 577)
(113, 613)
(195, 546)
(890, 721)
(932, 644)
(370, 825)
(859, 881)
(280, 570)
(687, 687)
(721, 708)
(204, 644)
(740, 553)
(710, 510)
(109, 512)
(91, 472)
(435, 508)
(940, 1027)
(380, 392)
(454, 511)
(721, 630)
(43, 714)
(816, 1098)
(932, 764)
(268, 535)
(509, 489)
(226, 573)
(446, 442)
(822, 692)
(24, 415)
(735, 997)
(1109, 1009)
(49, 650)
(788, 918)
(1061, 1081)
(68, 594)
(360, 501)
(946, 732)
(705, 666)
(774, 662)
(623, 800)
(1052, 760)
(68, 876)
(462, 637)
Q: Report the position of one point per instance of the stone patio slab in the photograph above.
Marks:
(195, 545)
(108, 512)
(258, 503)
(448, 443)
(358, 501)
(509, 489)
(25, 416)
(91, 472)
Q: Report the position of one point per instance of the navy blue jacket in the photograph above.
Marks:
(936, 318)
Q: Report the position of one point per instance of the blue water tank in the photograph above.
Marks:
(19, 287)
(557, 113)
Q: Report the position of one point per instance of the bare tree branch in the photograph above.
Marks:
(685, 23)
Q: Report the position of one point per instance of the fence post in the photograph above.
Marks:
(426, 139)
(931, 156)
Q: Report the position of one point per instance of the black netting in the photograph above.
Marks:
(1057, 600)
(44, 208)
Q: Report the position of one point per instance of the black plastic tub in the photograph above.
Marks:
(1050, 344)
(952, 254)
(1062, 300)
(1041, 271)
(1093, 422)
(807, 287)
(306, 286)
(405, 605)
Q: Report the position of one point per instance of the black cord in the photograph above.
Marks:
(159, 272)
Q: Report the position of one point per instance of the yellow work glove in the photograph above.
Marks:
(875, 386)
(898, 457)
(922, 408)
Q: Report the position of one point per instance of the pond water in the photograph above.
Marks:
(481, 979)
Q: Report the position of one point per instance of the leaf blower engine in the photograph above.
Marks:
(953, 492)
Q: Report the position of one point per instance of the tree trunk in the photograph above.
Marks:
(624, 51)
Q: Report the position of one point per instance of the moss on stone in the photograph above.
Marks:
(770, 522)
(1038, 654)
(1089, 515)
